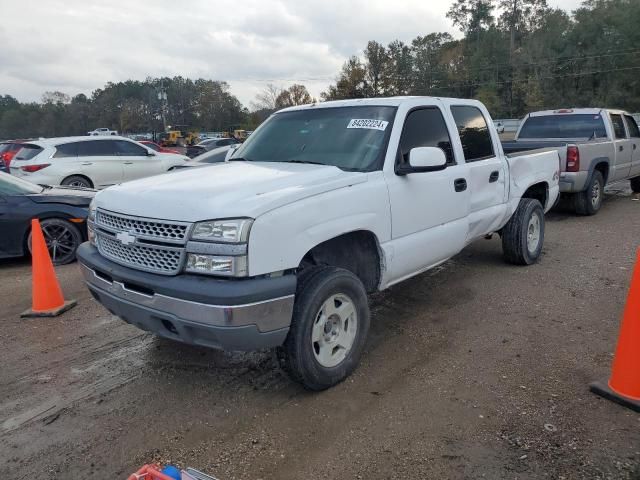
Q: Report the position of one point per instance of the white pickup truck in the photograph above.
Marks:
(279, 246)
(597, 147)
(102, 131)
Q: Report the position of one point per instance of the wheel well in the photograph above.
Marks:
(539, 191)
(81, 176)
(603, 168)
(356, 251)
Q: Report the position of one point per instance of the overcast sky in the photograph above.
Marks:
(76, 47)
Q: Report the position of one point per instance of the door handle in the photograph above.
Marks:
(86, 163)
(635, 146)
(460, 184)
(494, 176)
(621, 148)
(128, 163)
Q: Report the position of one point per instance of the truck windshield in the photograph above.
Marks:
(564, 126)
(350, 138)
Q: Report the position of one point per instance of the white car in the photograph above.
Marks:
(91, 162)
(324, 203)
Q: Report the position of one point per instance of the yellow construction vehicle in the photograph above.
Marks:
(178, 136)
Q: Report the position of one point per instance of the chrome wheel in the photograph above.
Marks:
(77, 183)
(596, 194)
(334, 330)
(533, 233)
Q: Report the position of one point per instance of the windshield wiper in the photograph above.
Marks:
(305, 161)
(240, 159)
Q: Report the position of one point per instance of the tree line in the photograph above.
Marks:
(141, 107)
(515, 56)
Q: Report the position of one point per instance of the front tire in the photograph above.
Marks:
(590, 201)
(523, 235)
(329, 328)
(62, 238)
(635, 185)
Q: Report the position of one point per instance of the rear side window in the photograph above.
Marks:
(130, 149)
(618, 126)
(474, 133)
(97, 148)
(28, 151)
(564, 126)
(425, 128)
(634, 131)
(66, 150)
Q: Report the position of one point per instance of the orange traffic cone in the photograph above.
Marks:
(624, 385)
(47, 296)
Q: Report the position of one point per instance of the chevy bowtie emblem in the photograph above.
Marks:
(125, 238)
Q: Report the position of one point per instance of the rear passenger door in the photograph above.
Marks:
(99, 160)
(136, 161)
(487, 176)
(623, 153)
(634, 136)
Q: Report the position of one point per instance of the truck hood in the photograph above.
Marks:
(233, 189)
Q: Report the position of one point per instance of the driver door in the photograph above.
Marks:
(428, 210)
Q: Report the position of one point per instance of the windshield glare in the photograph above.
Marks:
(10, 185)
(350, 138)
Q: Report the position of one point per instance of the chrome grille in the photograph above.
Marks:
(174, 232)
(164, 260)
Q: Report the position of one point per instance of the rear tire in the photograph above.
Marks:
(590, 201)
(77, 181)
(328, 330)
(523, 235)
(635, 185)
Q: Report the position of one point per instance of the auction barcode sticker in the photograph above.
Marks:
(370, 124)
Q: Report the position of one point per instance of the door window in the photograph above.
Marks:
(97, 148)
(474, 133)
(66, 150)
(618, 126)
(634, 131)
(425, 128)
(130, 149)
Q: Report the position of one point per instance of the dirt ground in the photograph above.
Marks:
(476, 370)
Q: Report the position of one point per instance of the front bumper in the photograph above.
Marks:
(247, 314)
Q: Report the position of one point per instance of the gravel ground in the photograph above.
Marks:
(476, 370)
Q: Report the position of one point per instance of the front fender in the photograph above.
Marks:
(280, 238)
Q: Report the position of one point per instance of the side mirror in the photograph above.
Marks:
(424, 159)
(230, 153)
(500, 128)
(151, 153)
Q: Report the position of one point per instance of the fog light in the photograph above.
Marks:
(217, 265)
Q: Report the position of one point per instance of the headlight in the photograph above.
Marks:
(227, 231)
(217, 265)
(92, 210)
(91, 234)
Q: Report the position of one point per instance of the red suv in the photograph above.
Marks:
(8, 150)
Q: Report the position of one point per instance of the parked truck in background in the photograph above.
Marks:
(597, 147)
(102, 131)
(324, 203)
